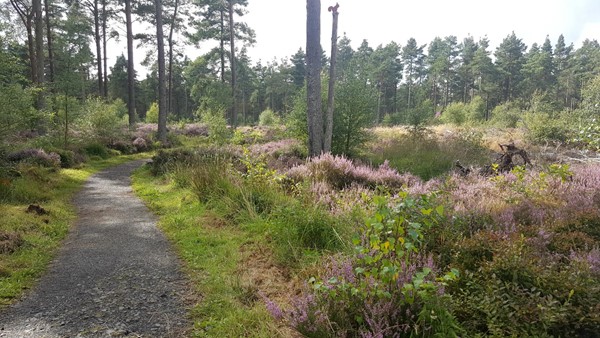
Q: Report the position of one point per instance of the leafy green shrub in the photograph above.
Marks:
(387, 288)
(587, 135)
(268, 118)
(506, 115)
(218, 130)
(544, 128)
(152, 113)
(101, 121)
(455, 113)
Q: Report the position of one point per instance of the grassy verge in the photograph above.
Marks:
(216, 257)
(29, 241)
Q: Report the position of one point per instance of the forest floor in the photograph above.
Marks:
(116, 274)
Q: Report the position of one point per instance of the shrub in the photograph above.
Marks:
(152, 113)
(96, 149)
(268, 118)
(140, 144)
(455, 113)
(386, 289)
(506, 115)
(217, 125)
(341, 172)
(36, 156)
(544, 128)
(68, 158)
(101, 121)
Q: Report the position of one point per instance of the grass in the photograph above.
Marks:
(426, 153)
(215, 259)
(36, 238)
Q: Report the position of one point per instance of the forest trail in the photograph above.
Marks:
(116, 274)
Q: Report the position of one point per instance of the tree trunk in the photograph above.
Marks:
(49, 42)
(232, 61)
(39, 50)
(171, 30)
(96, 12)
(313, 77)
(330, 93)
(130, 67)
(162, 109)
(104, 61)
(222, 45)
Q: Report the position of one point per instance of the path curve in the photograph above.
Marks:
(116, 274)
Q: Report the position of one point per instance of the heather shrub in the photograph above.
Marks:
(387, 288)
(68, 158)
(140, 144)
(340, 172)
(36, 156)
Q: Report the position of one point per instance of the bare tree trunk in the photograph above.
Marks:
(160, 42)
(313, 77)
(96, 13)
(49, 42)
(104, 61)
(172, 29)
(330, 93)
(130, 67)
(39, 49)
(222, 42)
(232, 61)
(26, 15)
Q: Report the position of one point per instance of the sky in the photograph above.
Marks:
(280, 25)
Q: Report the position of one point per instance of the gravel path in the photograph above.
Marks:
(115, 276)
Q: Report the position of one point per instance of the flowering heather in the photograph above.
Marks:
(194, 129)
(341, 172)
(37, 156)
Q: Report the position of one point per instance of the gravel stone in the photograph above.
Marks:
(116, 274)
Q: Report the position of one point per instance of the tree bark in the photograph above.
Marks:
(171, 30)
(49, 42)
(39, 50)
(130, 66)
(313, 77)
(96, 13)
(330, 93)
(232, 61)
(160, 42)
(104, 60)
(222, 45)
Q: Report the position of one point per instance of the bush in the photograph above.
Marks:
(506, 115)
(543, 128)
(387, 288)
(96, 149)
(455, 113)
(36, 156)
(152, 113)
(218, 130)
(268, 118)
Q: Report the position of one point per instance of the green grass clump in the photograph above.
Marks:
(428, 156)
